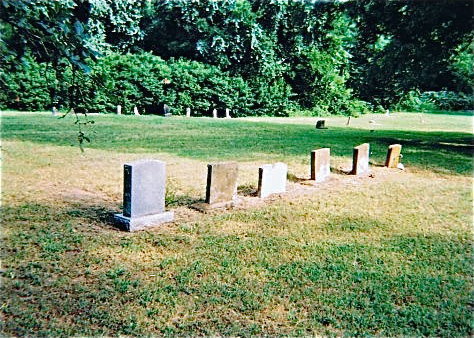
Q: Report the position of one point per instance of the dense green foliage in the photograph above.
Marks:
(143, 79)
(277, 56)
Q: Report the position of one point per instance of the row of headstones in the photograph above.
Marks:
(188, 111)
(145, 184)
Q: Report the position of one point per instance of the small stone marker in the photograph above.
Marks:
(393, 155)
(54, 111)
(360, 160)
(135, 111)
(221, 188)
(227, 113)
(119, 109)
(188, 112)
(166, 111)
(143, 196)
(214, 113)
(320, 167)
(321, 124)
(272, 179)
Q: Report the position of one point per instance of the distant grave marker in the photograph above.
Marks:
(393, 156)
(135, 111)
(188, 112)
(119, 109)
(227, 113)
(321, 124)
(166, 110)
(214, 113)
(320, 166)
(360, 160)
(143, 196)
(272, 179)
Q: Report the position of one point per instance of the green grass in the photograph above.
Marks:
(211, 140)
(388, 255)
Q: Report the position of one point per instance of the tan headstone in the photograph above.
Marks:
(360, 160)
(393, 155)
(221, 183)
(320, 167)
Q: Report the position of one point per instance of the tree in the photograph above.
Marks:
(405, 45)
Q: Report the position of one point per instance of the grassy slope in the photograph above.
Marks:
(388, 255)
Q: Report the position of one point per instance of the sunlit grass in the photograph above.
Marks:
(386, 255)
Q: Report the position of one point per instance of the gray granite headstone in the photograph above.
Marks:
(221, 186)
(320, 166)
(144, 195)
(360, 160)
(272, 179)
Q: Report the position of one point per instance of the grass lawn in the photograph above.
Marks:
(389, 254)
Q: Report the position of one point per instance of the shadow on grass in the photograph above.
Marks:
(247, 190)
(447, 112)
(174, 200)
(461, 145)
(209, 140)
(368, 288)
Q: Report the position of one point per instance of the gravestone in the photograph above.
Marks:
(161, 109)
(143, 195)
(54, 111)
(119, 110)
(227, 113)
(272, 179)
(188, 112)
(320, 167)
(321, 124)
(221, 189)
(360, 160)
(214, 113)
(135, 111)
(393, 156)
(166, 110)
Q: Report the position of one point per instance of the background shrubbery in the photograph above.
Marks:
(260, 57)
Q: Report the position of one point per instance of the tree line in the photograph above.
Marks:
(256, 57)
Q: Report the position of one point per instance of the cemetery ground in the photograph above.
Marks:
(385, 254)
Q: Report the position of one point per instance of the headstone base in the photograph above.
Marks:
(140, 223)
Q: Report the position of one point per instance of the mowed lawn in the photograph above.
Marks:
(385, 254)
